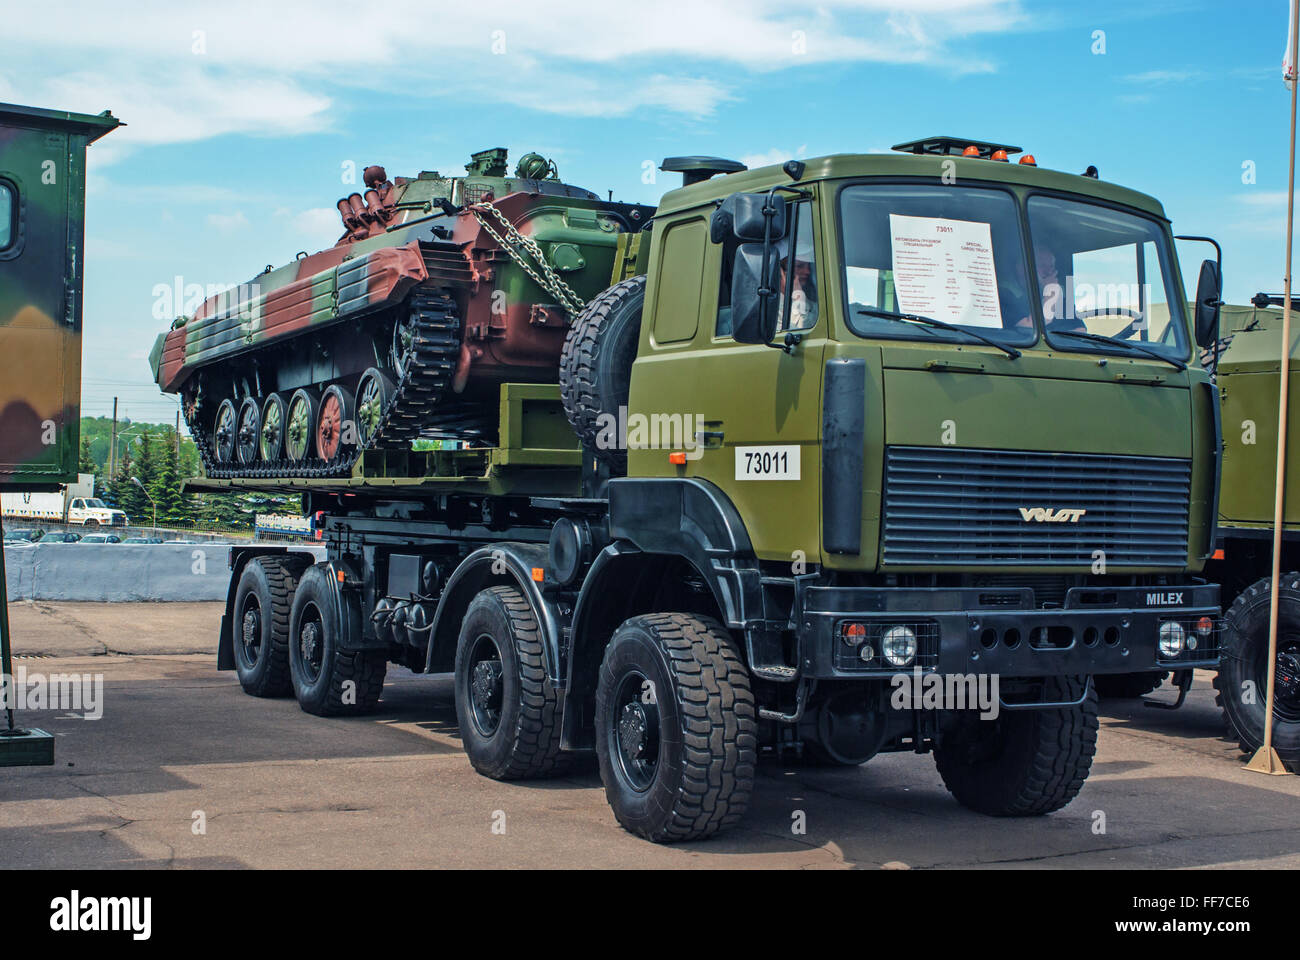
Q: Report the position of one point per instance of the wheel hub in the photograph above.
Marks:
(310, 642)
(486, 690)
(1287, 676)
(251, 627)
(632, 728)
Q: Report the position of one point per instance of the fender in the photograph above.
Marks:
(678, 517)
(509, 563)
(693, 519)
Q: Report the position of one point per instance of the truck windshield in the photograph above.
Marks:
(95, 504)
(954, 254)
(1105, 273)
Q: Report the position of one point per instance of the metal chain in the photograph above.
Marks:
(552, 283)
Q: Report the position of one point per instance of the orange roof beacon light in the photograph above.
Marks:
(957, 146)
(1028, 160)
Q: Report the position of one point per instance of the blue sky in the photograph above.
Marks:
(242, 115)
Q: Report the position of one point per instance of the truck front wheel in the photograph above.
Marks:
(327, 679)
(1023, 762)
(1242, 681)
(676, 734)
(508, 711)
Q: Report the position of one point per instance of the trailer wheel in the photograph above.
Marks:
(1024, 762)
(1128, 686)
(596, 366)
(327, 680)
(261, 624)
(676, 734)
(508, 711)
(1242, 681)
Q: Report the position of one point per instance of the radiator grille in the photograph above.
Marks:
(963, 507)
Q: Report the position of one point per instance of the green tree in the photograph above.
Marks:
(85, 461)
(173, 503)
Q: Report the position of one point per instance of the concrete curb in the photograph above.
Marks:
(120, 572)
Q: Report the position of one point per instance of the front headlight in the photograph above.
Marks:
(1172, 639)
(898, 645)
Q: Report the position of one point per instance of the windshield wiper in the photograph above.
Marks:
(1137, 348)
(1011, 352)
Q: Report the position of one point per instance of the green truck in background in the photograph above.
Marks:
(1247, 374)
(839, 432)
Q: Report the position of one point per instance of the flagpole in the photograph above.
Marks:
(1266, 759)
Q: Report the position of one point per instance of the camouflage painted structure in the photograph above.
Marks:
(42, 208)
(439, 290)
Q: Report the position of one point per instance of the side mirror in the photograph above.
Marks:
(744, 216)
(1209, 298)
(754, 294)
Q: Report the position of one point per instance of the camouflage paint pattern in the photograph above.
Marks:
(399, 236)
(42, 203)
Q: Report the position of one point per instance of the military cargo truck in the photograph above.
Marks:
(1248, 368)
(838, 431)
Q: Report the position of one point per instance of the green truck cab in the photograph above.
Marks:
(865, 453)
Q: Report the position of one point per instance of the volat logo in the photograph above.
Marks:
(1048, 515)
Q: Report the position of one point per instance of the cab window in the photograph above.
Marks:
(798, 260)
(8, 215)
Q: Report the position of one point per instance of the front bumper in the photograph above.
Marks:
(1001, 631)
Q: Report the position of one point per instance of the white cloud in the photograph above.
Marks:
(227, 222)
(1163, 76)
(284, 69)
(774, 156)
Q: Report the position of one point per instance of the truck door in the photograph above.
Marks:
(757, 407)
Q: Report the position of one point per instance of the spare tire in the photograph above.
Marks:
(596, 367)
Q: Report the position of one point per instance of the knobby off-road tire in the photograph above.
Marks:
(509, 713)
(1243, 666)
(327, 680)
(1025, 762)
(260, 637)
(1127, 686)
(676, 734)
(596, 365)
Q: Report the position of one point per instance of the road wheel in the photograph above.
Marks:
(508, 711)
(300, 424)
(1242, 681)
(328, 680)
(675, 727)
(374, 391)
(261, 624)
(336, 425)
(224, 428)
(1127, 686)
(270, 442)
(250, 427)
(1024, 762)
(596, 366)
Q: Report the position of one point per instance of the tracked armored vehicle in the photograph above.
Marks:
(439, 290)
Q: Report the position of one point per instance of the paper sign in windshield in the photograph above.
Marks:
(944, 269)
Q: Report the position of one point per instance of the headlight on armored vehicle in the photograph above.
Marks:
(1172, 639)
(898, 645)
